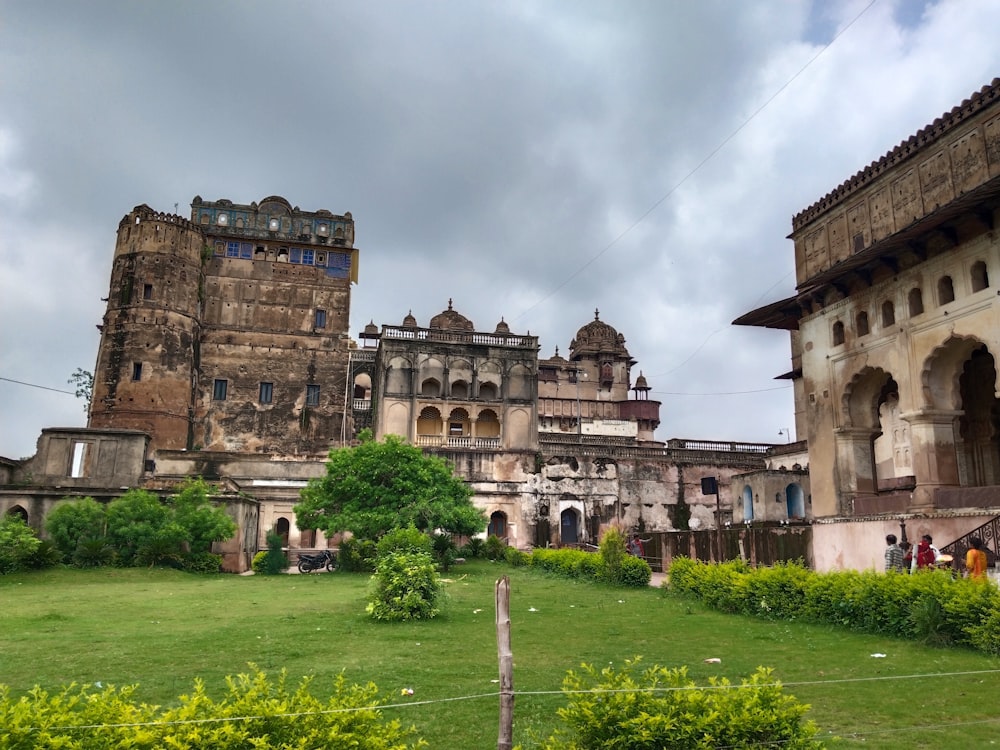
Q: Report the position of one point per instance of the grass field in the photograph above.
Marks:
(161, 629)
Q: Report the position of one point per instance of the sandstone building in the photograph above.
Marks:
(895, 327)
(229, 331)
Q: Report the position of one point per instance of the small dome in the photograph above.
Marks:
(409, 321)
(640, 382)
(451, 320)
(372, 330)
(597, 337)
(502, 327)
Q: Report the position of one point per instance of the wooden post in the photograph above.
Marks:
(505, 738)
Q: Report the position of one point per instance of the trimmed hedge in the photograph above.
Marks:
(929, 606)
(574, 563)
(256, 712)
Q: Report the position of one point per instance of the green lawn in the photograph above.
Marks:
(161, 629)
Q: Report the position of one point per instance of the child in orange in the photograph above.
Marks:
(975, 560)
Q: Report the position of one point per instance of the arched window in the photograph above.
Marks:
(488, 391)
(458, 423)
(747, 503)
(487, 424)
(916, 301)
(946, 290)
(429, 421)
(430, 388)
(888, 314)
(281, 527)
(838, 333)
(459, 389)
(498, 525)
(862, 324)
(980, 279)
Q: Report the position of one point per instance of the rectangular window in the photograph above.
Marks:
(137, 371)
(220, 248)
(295, 255)
(307, 257)
(219, 389)
(147, 291)
(266, 392)
(232, 249)
(320, 319)
(312, 395)
(246, 250)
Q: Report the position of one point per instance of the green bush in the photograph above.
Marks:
(256, 711)
(72, 521)
(634, 709)
(613, 553)
(46, 555)
(93, 553)
(357, 555)
(516, 558)
(932, 606)
(445, 550)
(473, 548)
(408, 539)
(203, 562)
(635, 572)
(406, 587)
(18, 544)
(275, 560)
(494, 548)
(257, 564)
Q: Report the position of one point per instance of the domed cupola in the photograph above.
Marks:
(502, 327)
(598, 338)
(409, 321)
(451, 320)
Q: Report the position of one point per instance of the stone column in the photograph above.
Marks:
(935, 462)
(855, 466)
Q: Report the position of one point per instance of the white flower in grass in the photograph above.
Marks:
(532, 609)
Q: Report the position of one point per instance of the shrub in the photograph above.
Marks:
(69, 523)
(275, 560)
(93, 553)
(203, 562)
(257, 564)
(46, 555)
(408, 539)
(635, 572)
(357, 555)
(494, 548)
(613, 552)
(473, 548)
(18, 544)
(77, 717)
(629, 709)
(445, 550)
(406, 587)
(516, 558)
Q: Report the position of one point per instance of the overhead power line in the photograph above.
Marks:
(36, 385)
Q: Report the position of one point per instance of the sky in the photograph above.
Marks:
(531, 161)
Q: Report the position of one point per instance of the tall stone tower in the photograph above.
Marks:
(228, 332)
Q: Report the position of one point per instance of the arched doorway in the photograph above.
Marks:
(281, 528)
(498, 525)
(795, 502)
(977, 446)
(20, 512)
(747, 503)
(569, 526)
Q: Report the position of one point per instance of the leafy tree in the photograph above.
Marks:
(70, 523)
(84, 382)
(202, 521)
(377, 486)
(406, 586)
(275, 560)
(141, 531)
(17, 544)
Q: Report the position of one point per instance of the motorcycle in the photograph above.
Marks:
(325, 559)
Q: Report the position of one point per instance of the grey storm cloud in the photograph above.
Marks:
(531, 161)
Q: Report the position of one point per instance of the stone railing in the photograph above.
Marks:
(463, 441)
(460, 337)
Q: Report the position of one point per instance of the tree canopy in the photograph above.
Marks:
(374, 487)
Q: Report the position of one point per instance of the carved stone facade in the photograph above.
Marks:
(894, 338)
(229, 331)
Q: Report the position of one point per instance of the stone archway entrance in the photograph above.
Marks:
(569, 526)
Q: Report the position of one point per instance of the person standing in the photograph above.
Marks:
(893, 555)
(975, 560)
(926, 554)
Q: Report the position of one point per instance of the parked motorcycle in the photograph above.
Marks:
(325, 559)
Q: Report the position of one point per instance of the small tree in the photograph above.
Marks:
(202, 521)
(275, 559)
(374, 487)
(71, 523)
(613, 553)
(84, 382)
(406, 587)
(17, 544)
